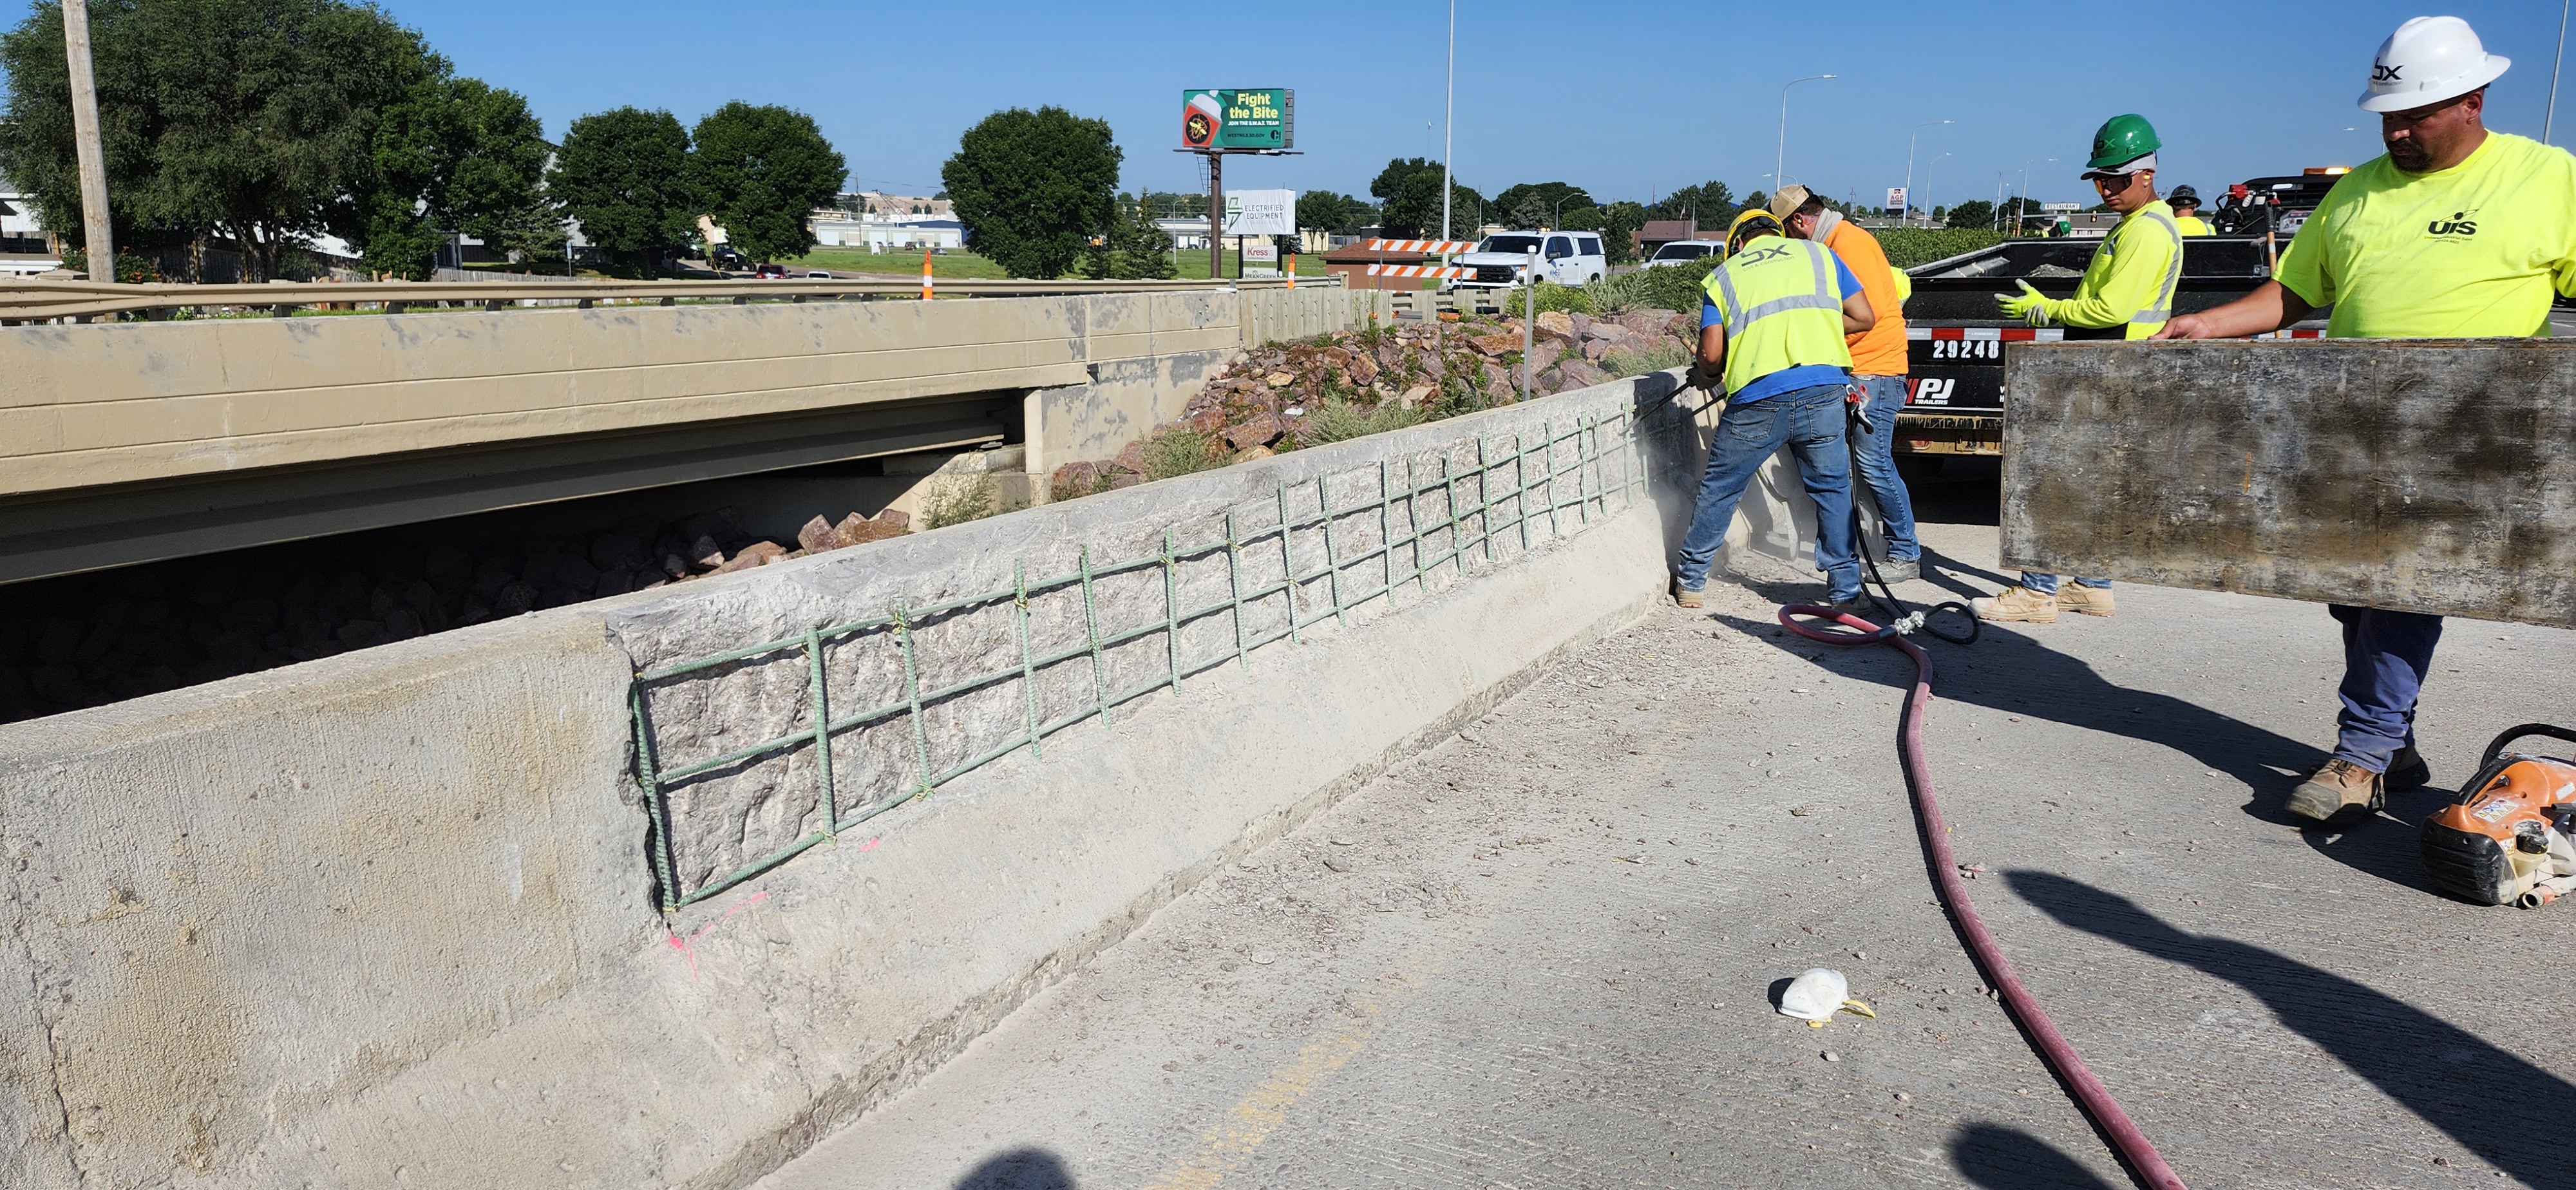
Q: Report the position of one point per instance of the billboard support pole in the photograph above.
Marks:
(1216, 215)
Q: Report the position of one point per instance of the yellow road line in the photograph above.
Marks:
(1260, 1112)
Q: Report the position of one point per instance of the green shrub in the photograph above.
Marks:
(1653, 357)
(1340, 421)
(1673, 286)
(958, 501)
(1908, 247)
(1180, 452)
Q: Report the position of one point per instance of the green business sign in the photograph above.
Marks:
(1261, 119)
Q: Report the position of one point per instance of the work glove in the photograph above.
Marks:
(2030, 307)
(1857, 402)
(1703, 377)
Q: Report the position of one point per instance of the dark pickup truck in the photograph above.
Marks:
(1955, 361)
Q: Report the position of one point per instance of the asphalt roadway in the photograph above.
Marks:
(1544, 954)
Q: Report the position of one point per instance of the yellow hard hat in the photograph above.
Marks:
(1749, 224)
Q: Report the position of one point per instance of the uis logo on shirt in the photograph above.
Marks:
(2461, 223)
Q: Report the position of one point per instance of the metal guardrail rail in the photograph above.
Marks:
(32, 301)
(1430, 505)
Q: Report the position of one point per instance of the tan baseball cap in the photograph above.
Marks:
(1788, 200)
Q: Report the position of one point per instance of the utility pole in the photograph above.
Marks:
(1216, 215)
(98, 236)
(1449, 133)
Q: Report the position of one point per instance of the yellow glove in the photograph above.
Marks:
(2031, 307)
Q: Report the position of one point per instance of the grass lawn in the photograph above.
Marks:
(908, 264)
(1193, 264)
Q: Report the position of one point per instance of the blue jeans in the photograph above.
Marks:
(2385, 656)
(1809, 421)
(2046, 584)
(1875, 456)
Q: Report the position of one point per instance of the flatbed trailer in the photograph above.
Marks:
(1957, 339)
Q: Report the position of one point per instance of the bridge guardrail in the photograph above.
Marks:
(31, 301)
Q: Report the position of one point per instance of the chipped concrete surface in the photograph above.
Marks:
(1543, 954)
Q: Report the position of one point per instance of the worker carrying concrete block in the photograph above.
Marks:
(2128, 284)
(2457, 232)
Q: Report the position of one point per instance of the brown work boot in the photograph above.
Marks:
(2407, 771)
(2340, 791)
(2017, 603)
(2092, 601)
(1684, 597)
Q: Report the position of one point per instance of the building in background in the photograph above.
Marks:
(881, 222)
(24, 246)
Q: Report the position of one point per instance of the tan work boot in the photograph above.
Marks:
(2340, 790)
(2017, 603)
(1684, 597)
(2092, 601)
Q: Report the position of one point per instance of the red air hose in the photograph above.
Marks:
(2053, 1048)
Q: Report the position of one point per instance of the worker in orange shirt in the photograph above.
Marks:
(1878, 366)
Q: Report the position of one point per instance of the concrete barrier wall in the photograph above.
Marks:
(113, 403)
(386, 919)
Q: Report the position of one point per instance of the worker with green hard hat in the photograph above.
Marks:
(2128, 288)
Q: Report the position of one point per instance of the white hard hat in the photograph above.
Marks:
(2428, 60)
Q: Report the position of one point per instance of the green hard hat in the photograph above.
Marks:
(2122, 140)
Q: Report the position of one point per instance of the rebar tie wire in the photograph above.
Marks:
(822, 727)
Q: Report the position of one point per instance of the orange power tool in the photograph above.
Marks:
(2511, 838)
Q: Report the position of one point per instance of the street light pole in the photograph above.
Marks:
(1908, 212)
(1449, 135)
(98, 236)
(1927, 190)
(1780, 169)
(2556, 64)
(2023, 199)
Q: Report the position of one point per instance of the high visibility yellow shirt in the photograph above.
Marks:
(2193, 225)
(2131, 277)
(1781, 302)
(2472, 251)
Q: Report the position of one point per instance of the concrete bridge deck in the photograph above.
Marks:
(1541, 956)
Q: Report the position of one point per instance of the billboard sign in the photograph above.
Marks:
(2061, 208)
(1896, 198)
(1260, 213)
(1264, 119)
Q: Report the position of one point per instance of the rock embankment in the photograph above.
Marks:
(1281, 396)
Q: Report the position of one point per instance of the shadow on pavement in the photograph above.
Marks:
(2010, 672)
(2000, 1158)
(1019, 1169)
(2482, 1096)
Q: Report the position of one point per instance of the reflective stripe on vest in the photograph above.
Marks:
(1824, 298)
(2162, 311)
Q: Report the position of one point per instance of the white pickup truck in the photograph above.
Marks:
(1565, 257)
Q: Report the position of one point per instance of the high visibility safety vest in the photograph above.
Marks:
(2154, 317)
(2193, 225)
(1781, 309)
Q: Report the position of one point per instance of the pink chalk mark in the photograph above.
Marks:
(690, 953)
(871, 844)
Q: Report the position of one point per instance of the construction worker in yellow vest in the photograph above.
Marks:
(2185, 202)
(2458, 232)
(1772, 322)
(2128, 289)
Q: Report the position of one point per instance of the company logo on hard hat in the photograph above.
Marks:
(2381, 72)
(2459, 224)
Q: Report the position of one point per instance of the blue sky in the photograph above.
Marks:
(1627, 106)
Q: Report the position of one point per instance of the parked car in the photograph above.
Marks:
(726, 258)
(1684, 251)
(1565, 257)
(771, 272)
(818, 274)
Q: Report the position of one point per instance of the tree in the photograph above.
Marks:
(1975, 212)
(1711, 204)
(1538, 205)
(452, 155)
(1133, 249)
(1324, 210)
(761, 171)
(241, 119)
(1410, 190)
(623, 175)
(1034, 187)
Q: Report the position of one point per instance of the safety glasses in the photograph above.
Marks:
(2110, 184)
